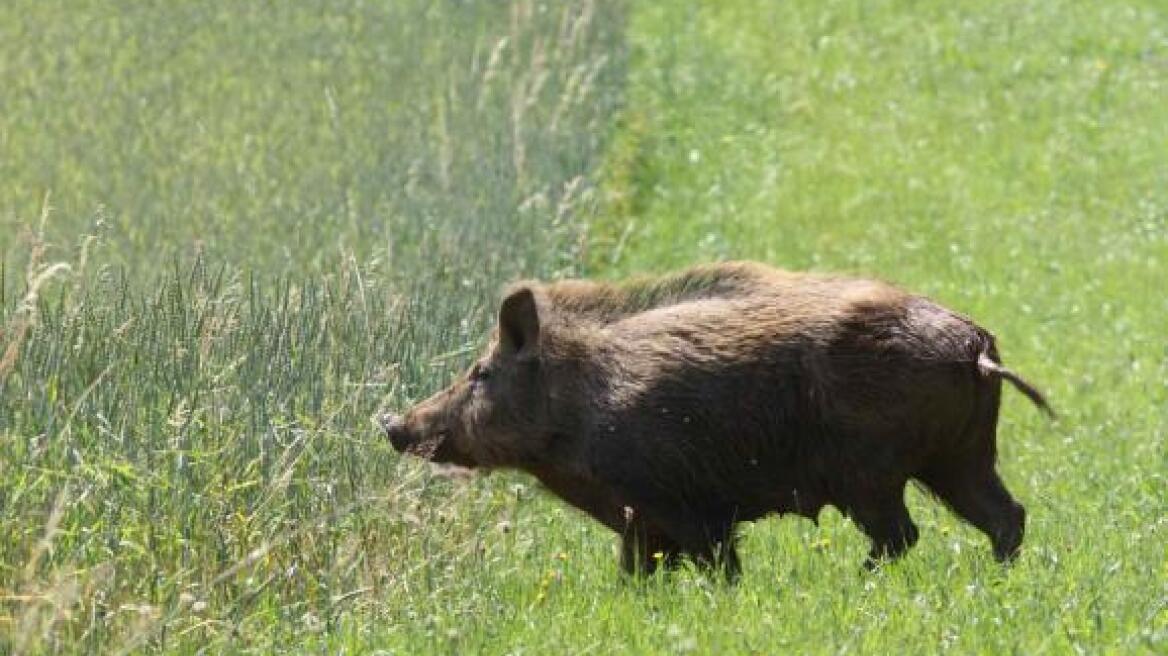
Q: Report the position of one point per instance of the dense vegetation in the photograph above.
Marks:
(230, 233)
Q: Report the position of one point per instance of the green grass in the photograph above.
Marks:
(302, 213)
(276, 137)
(262, 224)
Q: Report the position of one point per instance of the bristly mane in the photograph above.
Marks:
(608, 302)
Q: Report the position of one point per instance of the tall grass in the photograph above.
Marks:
(229, 233)
(275, 136)
(264, 224)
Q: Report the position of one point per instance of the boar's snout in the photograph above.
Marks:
(395, 428)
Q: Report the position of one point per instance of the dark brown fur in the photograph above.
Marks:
(670, 409)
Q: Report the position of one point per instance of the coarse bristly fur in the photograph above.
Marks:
(671, 409)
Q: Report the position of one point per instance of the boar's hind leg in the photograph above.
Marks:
(884, 518)
(979, 497)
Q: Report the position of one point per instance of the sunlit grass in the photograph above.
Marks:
(263, 223)
(1009, 159)
(258, 225)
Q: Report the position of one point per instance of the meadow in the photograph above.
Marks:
(231, 233)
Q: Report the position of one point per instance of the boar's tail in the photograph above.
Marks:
(988, 367)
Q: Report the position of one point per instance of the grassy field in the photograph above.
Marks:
(230, 233)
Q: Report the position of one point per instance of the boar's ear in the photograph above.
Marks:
(519, 321)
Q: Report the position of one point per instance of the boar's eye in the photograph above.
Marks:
(479, 373)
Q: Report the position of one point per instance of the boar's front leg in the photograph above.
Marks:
(654, 536)
(644, 549)
(720, 551)
(659, 523)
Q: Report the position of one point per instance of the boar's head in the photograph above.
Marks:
(500, 412)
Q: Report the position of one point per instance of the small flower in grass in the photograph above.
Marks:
(658, 556)
(191, 601)
(563, 555)
(545, 583)
(821, 544)
(311, 622)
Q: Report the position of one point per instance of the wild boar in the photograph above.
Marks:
(671, 409)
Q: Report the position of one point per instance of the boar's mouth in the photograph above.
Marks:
(427, 449)
(440, 449)
(433, 445)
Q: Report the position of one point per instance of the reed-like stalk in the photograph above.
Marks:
(186, 453)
